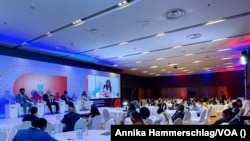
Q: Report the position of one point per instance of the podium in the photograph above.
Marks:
(77, 105)
(11, 110)
(41, 109)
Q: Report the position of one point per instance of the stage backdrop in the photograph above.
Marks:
(37, 77)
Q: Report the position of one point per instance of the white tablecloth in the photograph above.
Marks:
(116, 113)
(93, 135)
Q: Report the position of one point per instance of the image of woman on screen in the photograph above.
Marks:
(107, 88)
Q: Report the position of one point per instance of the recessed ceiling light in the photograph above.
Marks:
(175, 13)
(152, 67)
(49, 34)
(24, 43)
(163, 70)
(193, 36)
(188, 54)
(151, 73)
(177, 46)
(214, 21)
(115, 65)
(226, 58)
(123, 43)
(145, 72)
(146, 52)
(138, 62)
(160, 59)
(220, 39)
(78, 22)
(160, 34)
(224, 49)
(134, 69)
(206, 68)
(172, 65)
(180, 68)
(196, 61)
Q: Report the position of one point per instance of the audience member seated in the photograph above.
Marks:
(145, 113)
(137, 105)
(131, 108)
(32, 116)
(93, 112)
(162, 119)
(84, 100)
(67, 99)
(34, 133)
(50, 100)
(229, 117)
(23, 100)
(136, 118)
(244, 117)
(196, 107)
(239, 101)
(162, 104)
(70, 119)
(179, 113)
(235, 108)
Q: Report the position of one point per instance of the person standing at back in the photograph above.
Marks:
(70, 119)
(24, 100)
(34, 133)
(32, 116)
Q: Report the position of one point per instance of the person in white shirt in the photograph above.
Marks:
(162, 118)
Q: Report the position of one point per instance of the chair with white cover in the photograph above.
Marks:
(25, 125)
(96, 122)
(148, 122)
(208, 113)
(200, 120)
(187, 117)
(106, 115)
(80, 123)
(108, 124)
(49, 128)
(3, 136)
(178, 121)
(127, 121)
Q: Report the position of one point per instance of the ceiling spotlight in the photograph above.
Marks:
(175, 13)
(193, 36)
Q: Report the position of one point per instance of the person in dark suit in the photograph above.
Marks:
(162, 104)
(50, 100)
(228, 117)
(34, 133)
(179, 112)
(67, 99)
(24, 100)
(32, 116)
(70, 119)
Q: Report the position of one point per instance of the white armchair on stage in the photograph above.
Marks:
(11, 110)
(86, 104)
(20, 109)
